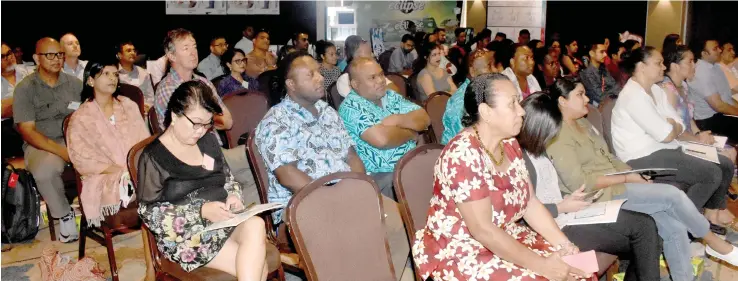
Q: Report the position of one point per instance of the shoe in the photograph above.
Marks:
(68, 229)
(731, 258)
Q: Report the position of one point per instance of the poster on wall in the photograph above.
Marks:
(510, 17)
(397, 18)
(264, 7)
(196, 7)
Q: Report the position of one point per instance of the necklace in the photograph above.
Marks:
(502, 151)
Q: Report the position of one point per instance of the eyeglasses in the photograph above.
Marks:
(7, 55)
(198, 126)
(223, 45)
(51, 56)
(241, 61)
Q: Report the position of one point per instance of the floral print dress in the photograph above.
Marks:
(171, 195)
(445, 249)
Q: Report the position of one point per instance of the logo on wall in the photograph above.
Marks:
(407, 6)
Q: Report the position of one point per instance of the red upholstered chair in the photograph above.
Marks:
(247, 108)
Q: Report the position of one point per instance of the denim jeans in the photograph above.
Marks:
(675, 215)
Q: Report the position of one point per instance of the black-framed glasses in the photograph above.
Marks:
(7, 55)
(222, 45)
(198, 126)
(241, 61)
(51, 56)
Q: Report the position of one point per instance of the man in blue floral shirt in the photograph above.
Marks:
(302, 138)
(383, 124)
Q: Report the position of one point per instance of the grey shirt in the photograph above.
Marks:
(47, 106)
(210, 67)
(400, 61)
(709, 79)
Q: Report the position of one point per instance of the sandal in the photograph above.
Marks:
(733, 225)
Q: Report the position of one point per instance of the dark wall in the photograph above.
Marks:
(590, 20)
(712, 20)
(143, 22)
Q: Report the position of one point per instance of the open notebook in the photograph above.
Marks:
(243, 216)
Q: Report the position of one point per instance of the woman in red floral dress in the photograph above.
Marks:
(481, 193)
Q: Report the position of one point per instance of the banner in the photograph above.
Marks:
(264, 7)
(397, 18)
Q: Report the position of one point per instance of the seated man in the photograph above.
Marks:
(72, 50)
(260, 57)
(302, 138)
(42, 100)
(356, 48)
(480, 62)
(210, 66)
(520, 71)
(402, 58)
(596, 78)
(12, 74)
(383, 124)
(131, 74)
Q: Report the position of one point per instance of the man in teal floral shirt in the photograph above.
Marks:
(383, 124)
(302, 138)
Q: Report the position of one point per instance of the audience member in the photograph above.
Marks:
(184, 185)
(615, 52)
(711, 94)
(441, 39)
(520, 72)
(482, 39)
(18, 52)
(671, 41)
(500, 36)
(99, 136)
(631, 45)
(261, 58)
(132, 74)
(524, 37)
(596, 79)
(431, 76)
(301, 41)
(571, 63)
(41, 102)
(328, 58)
(158, 69)
(680, 68)
(402, 58)
(482, 189)
(383, 124)
(535, 44)
(548, 69)
(72, 50)
(729, 66)
(582, 162)
(234, 60)
(645, 128)
(356, 47)
(12, 74)
(302, 138)
(246, 44)
(633, 236)
(480, 62)
(211, 66)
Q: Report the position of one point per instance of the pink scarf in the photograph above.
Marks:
(94, 144)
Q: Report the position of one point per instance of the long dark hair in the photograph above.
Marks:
(541, 123)
(424, 55)
(94, 70)
(188, 95)
(480, 90)
(674, 55)
(670, 42)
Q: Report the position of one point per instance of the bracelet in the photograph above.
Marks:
(561, 246)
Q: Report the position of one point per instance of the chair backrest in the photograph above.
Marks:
(435, 106)
(154, 122)
(595, 117)
(335, 97)
(384, 59)
(413, 183)
(134, 93)
(267, 82)
(258, 170)
(133, 156)
(400, 82)
(339, 229)
(413, 92)
(247, 108)
(609, 104)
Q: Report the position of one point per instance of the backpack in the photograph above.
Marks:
(21, 203)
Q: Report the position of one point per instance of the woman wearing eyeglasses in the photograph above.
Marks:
(184, 185)
(99, 136)
(235, 61)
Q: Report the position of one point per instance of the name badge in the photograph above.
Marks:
(208, 162)
(73, 105)
(245, 84)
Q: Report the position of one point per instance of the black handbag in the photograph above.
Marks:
(21, 204)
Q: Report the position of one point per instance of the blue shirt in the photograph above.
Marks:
(342, 65)
(211, 67)
(453, 114)
(230, 84)
(289, 133)
(360, 114)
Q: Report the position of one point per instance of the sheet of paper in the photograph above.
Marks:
(238, 219)
(612, 209)
(705, 152)
(592, 211)
(584, 261)
(735, 97)
(640, 171)
(720, 141)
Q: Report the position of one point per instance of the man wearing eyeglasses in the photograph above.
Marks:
(72, 50)
(131, 74)
(42, 100)
(210, 66)
(12, 74)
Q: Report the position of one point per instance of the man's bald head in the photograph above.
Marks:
(367, 78)
(49, 55)
(71, 46)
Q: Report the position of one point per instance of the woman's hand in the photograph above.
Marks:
(573, 202)
(705, 137)
(554, 268)
(216, 211)
(568, 249)
(233, 203)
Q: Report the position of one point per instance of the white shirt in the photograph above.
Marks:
(20, 72)
(157, 68)
(343, 84)
(547, 186)
(532, 82)
(78, 72)
(245, 44)
(639, 122)
(140, 78)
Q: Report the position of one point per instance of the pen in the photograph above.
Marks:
(699, 152)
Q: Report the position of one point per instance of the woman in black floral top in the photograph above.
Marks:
(326, 55)
(184, 185)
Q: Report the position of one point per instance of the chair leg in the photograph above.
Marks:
(111, 252)
(52, 230)
(82, 237)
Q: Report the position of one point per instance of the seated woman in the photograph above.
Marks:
(481, 193)
(581, 158)
(632, 237)
(547, 68)
(645, 128)
(431, 76)
(235, 61)
(184, 185)
(99, 135)
(326, 55)
(680, 68)
(570, 62)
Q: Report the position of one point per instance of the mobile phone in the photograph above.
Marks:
(592, 195)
